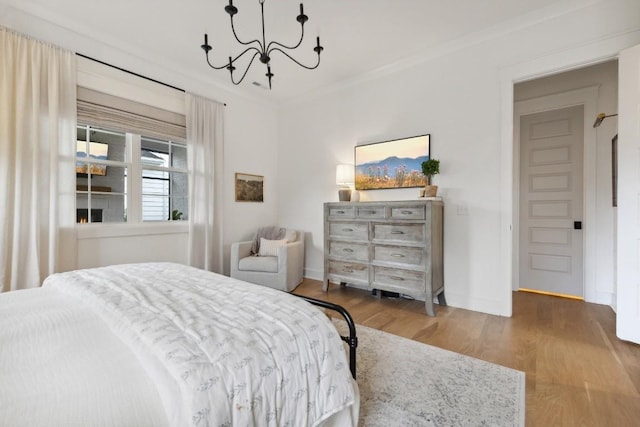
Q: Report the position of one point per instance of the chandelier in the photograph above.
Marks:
(260, 48)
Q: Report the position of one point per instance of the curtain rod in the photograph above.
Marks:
(132, 73)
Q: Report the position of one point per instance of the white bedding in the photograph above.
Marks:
(61, 366)
(215, 352)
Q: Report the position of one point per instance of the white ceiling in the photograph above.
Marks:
(359, 36)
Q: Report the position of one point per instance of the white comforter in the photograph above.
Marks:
(221, 352)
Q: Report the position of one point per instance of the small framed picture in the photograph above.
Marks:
(249, 188)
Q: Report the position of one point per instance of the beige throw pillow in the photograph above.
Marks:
(270, 247)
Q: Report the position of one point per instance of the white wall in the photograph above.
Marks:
(605, 77)
(456, 94)
(250, 146)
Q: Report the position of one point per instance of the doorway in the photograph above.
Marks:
(542, 247)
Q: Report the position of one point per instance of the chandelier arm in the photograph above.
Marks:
(233, 30)
(225, 65)
(294, 60)
(213, 66)
(258, 52)
(248, 66)
(270, 49)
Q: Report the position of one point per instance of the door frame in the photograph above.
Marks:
(587, 97)
(557, 62)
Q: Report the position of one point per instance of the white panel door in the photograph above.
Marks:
(628, 248)
(551, 158)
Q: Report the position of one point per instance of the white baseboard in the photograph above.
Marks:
(312, 273)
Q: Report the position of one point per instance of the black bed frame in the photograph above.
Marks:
(352, 339)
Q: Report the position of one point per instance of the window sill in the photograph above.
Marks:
(104, 230)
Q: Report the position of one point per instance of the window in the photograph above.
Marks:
(131, 162)
(101, 169)
(113, 185)
(164, 180)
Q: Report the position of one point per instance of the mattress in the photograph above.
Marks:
(159, 344)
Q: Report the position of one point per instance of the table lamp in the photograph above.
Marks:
(344, 178)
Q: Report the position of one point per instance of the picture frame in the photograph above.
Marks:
(392, 164)
(249, 188)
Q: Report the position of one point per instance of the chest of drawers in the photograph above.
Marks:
(386, 246)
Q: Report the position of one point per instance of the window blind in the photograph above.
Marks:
(115, 113)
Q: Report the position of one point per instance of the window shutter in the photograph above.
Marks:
(115, 113)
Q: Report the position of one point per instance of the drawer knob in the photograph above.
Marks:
(369, 212)
(348, 230)
(397, 255)
(407, 212)
(396, 277)
(397, 232)
(347, 270)
(348, 250)
(340, 212)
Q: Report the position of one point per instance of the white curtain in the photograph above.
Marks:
(37, 152)
(205, 158)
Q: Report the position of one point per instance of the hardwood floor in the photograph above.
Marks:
(577, 372)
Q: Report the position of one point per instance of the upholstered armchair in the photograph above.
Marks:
(278, 263)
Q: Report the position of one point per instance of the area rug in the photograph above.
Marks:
(406, 383)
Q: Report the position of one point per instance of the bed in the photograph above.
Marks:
(163, 344)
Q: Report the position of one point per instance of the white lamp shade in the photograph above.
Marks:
(344, 175)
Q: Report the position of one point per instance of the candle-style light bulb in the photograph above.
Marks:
(302, 18)
(318, 48)
(206, 46)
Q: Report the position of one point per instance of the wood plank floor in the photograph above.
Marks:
(577, 372)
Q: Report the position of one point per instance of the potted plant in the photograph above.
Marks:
(429, 168)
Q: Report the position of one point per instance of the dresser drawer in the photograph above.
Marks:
(349, 271)
(394, 279)
(399, 232)
(349, 230)
(399, 254)
(347, 212)
(370, 212)
(350, 251)
(413, 212)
